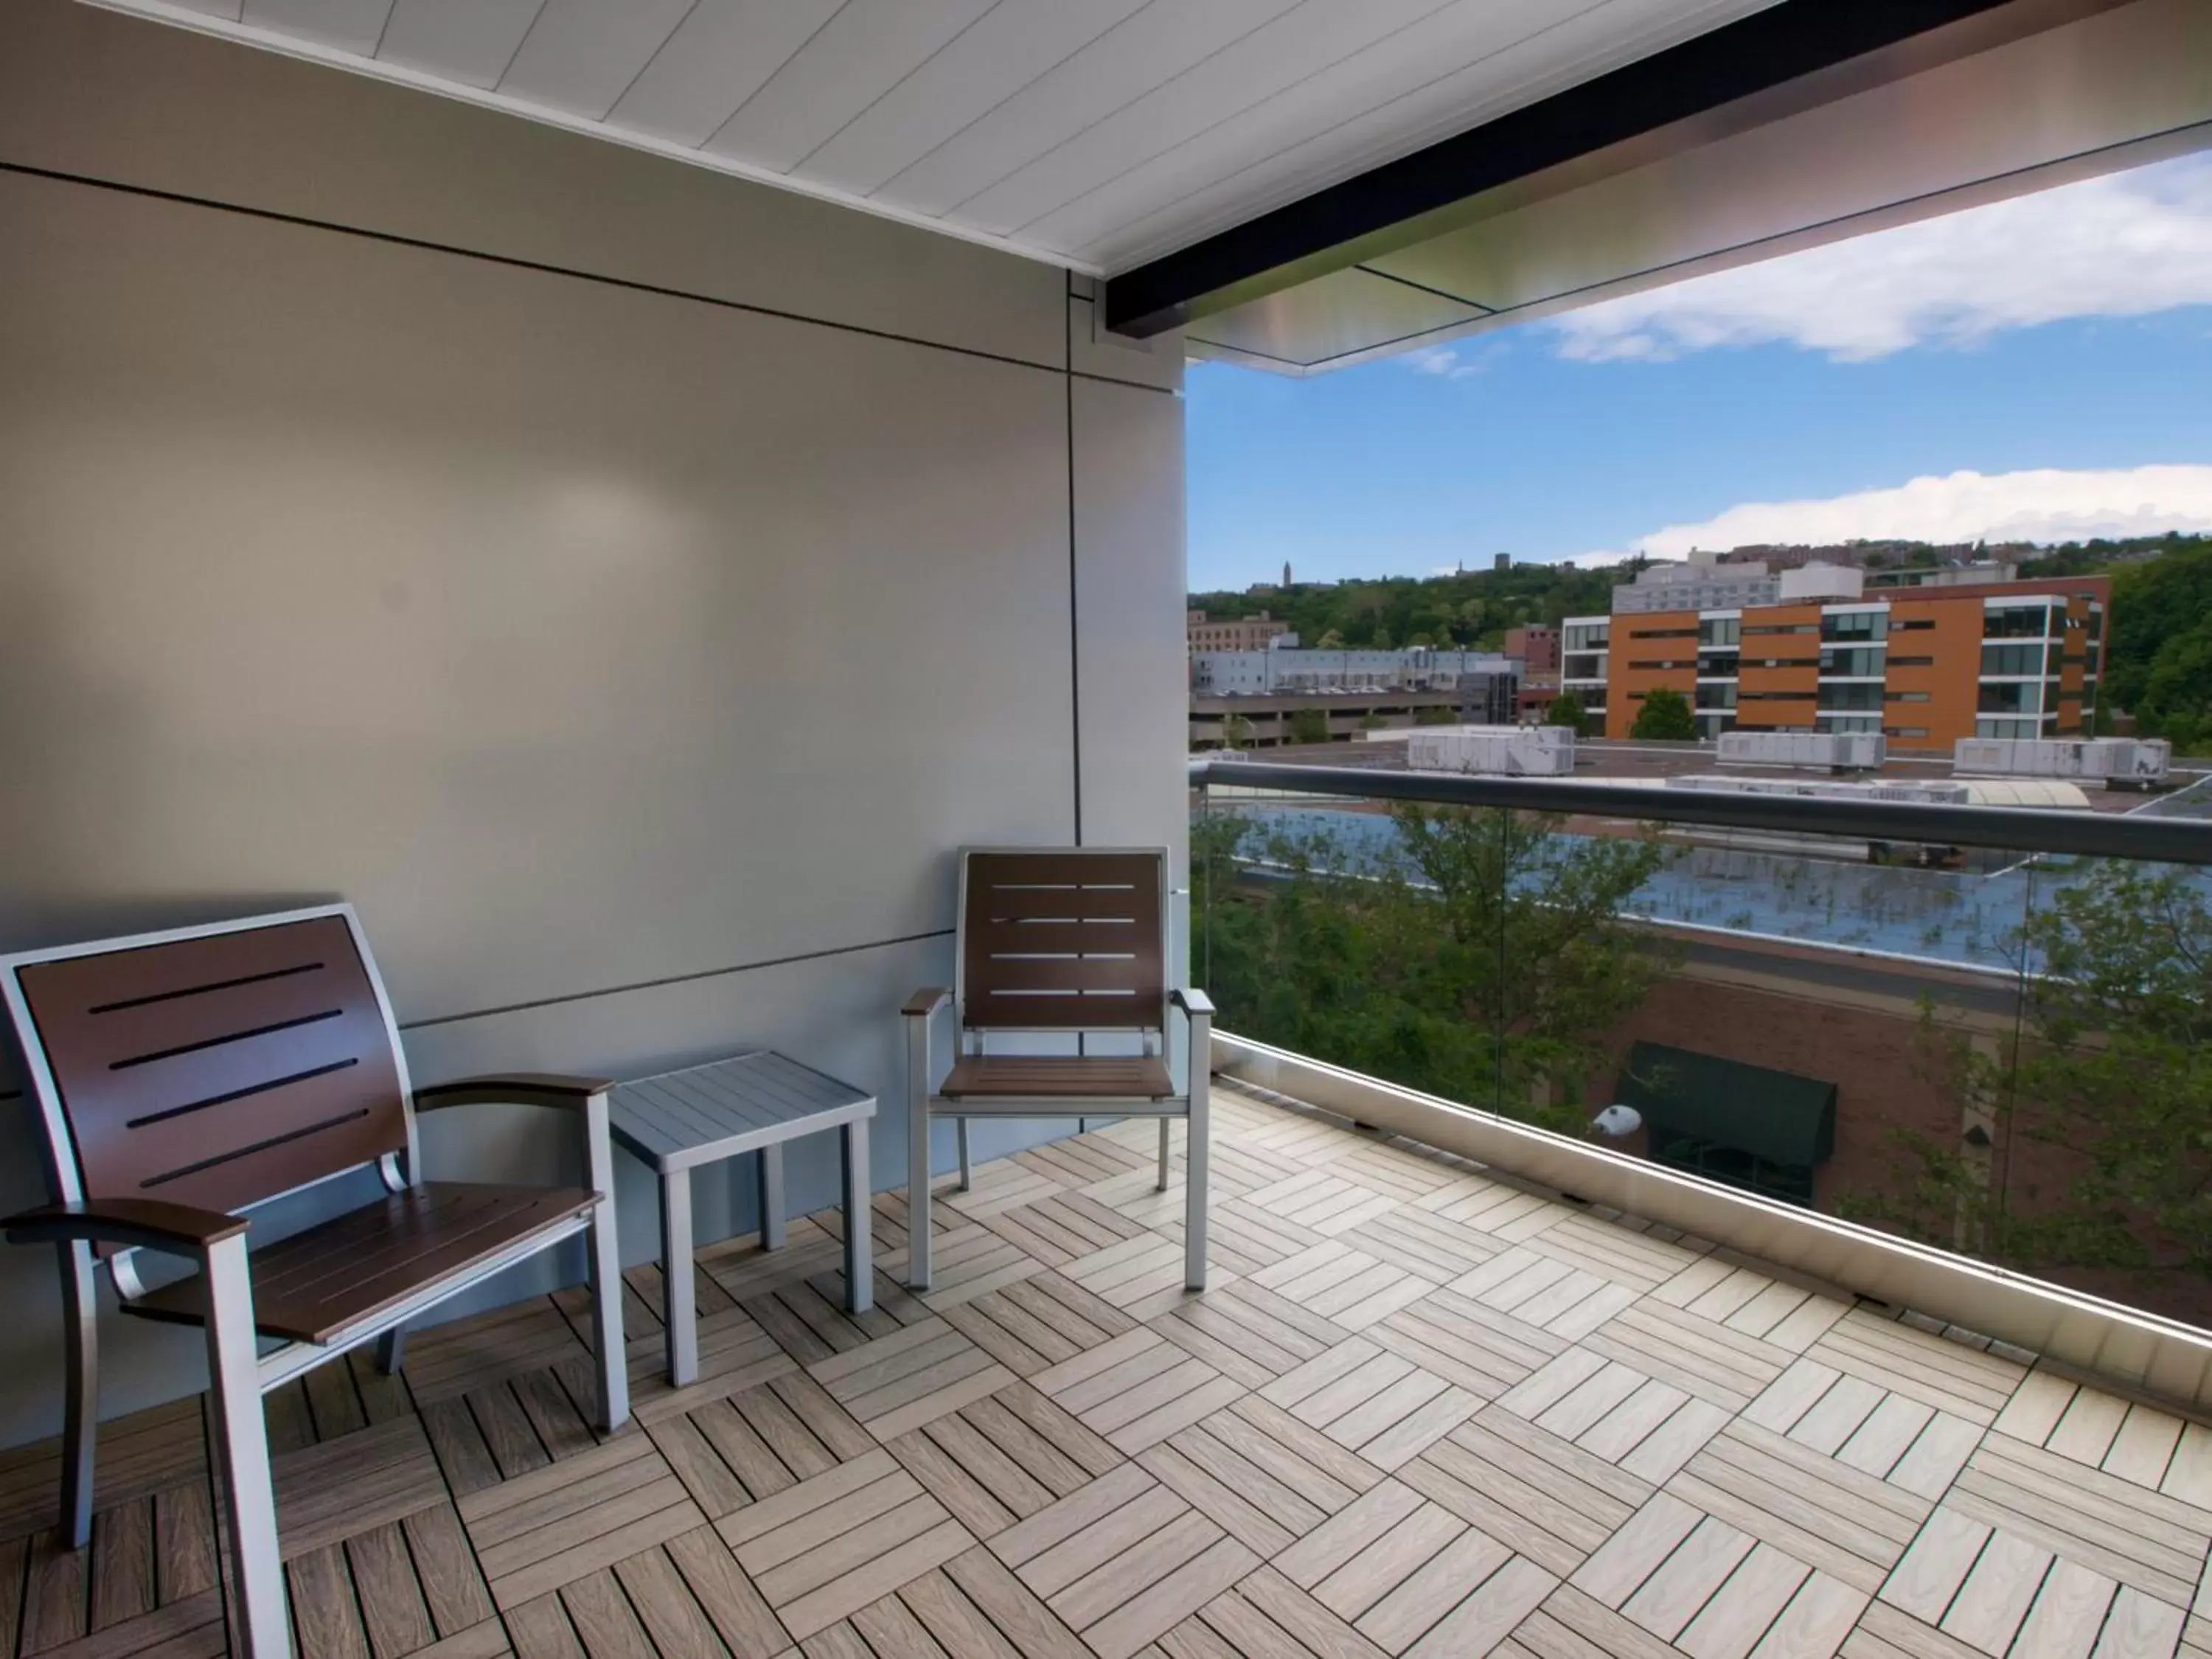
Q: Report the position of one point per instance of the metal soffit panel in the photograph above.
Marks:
(1089, 133)
(2123, 87)
(1341, 314)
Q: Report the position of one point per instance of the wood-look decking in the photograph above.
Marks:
(1422, 1411)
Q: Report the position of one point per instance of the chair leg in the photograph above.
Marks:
(1164, 1154)
(606, 1258)
(1197, 1155)
(80, 1404)
(260, 1625)
(917, 1154)
(392, 1351)
(967, 1167)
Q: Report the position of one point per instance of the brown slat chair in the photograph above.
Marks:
(1070, 940)
(183, 1079)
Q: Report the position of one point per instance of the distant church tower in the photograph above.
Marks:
(1286, 572)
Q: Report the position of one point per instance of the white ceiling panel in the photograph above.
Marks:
(1412, 92)
(348, 25)
(1091, 133)
(1009, 46)
(581, 55)
(1301, 43)
(718, 57)
(1121, 66)
(858, 56)
(472, 41)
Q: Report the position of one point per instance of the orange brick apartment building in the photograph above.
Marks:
(1924, 665)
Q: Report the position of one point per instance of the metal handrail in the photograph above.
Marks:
(2140, 835)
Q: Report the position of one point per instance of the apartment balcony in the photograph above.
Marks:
(616, 497)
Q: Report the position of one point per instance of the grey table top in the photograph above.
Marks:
(704, 1113)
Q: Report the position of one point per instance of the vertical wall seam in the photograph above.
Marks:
(1074, 630)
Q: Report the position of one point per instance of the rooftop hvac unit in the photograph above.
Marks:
(1525, 751)
(1831, 752)
(2141, 761)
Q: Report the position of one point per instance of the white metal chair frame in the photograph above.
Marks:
(238, 1373)
(925, 1106)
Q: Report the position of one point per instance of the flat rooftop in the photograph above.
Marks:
(1423, 1410)
(1643, 762)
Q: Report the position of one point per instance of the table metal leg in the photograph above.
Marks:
(859, 1254)
(771, 1197)
(678, 1300)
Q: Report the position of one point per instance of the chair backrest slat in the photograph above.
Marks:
(216, 1068)
(1064, 939)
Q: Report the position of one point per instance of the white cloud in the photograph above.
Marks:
(1442, 361)
(2045, 505)
(2125, 245)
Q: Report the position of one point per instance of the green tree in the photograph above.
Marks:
(1665, 717)
(1437, 716)
(1475, 955)
(2102, 1100)
(1236, 732)
(1309, 726)
(1331, 641)
(1567, 710)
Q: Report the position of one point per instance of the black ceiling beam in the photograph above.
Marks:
(1738, 60)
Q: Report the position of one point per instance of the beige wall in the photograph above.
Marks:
(627, 584)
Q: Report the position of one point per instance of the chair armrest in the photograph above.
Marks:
(926, 1002)
(134, 1222)
(1196, 1004)
(516, 1088)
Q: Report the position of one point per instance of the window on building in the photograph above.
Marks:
(1718, 665)
(1586, 636)
(2009, 697)
(2008, 728)
(1910, 624)
(1776, 696)
(1855, 697)
(2026, 659)
(1829, 722)
(2016, 622)
(1579, 666)
(1716, 696)
(1912, 662)
(1905, 730)
(1855, 625)
(1908, 696)
(1853, 661)
(1782, 628)
(1720, 630)
(1661, 662)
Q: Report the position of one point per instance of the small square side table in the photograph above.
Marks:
(752, 1102)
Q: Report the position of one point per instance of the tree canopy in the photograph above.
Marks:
(2158, 661)
(1475, 955)
(1468, 612)
(2102, 1100)
(1665, 717)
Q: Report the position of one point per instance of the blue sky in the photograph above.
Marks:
(2059, 347)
